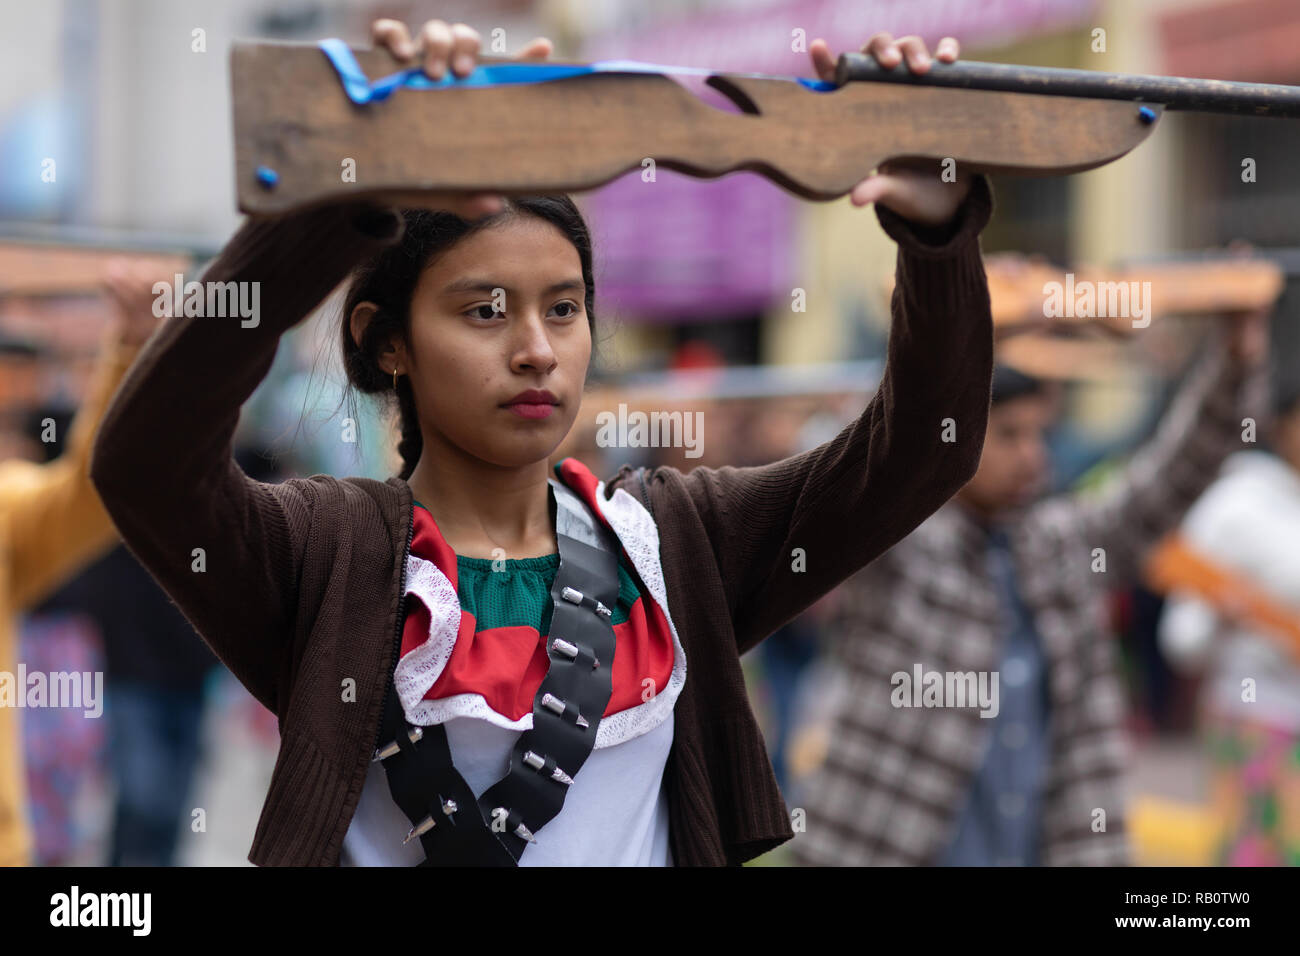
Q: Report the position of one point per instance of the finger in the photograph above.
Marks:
(467, 205)
(128, 280)
(882, 47)
(536, 49)
(393, 36)
(916, 54)
(947, 50)
(114, 269)
(823, 60)
(113, 289)
(872, 189)
(434, 45)
(465, 44)
(130, 295)
(485, 204)
(474, 205)
(119, 280)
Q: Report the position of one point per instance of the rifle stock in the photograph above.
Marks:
(292, 116)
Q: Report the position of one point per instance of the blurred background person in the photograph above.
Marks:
(158, 672)
(999, 582)
(52, 524)
(1248, 524)
(112, 617)
(63, 749)
(770, 431)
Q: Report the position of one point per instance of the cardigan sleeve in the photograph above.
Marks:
(226, 548)
(786, 533)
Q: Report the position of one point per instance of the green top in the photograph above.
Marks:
(518, 592)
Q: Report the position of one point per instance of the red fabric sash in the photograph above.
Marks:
(507, 664)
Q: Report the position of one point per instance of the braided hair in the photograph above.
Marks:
(389, 278)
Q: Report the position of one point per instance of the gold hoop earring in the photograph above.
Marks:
(394, 379)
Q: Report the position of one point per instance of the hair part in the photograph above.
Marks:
(389, 278)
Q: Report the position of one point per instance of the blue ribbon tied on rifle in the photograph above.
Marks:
(361, 90)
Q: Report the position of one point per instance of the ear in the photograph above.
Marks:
(359, 320)
(393, 348)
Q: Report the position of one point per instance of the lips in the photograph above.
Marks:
(534, 396)
(534, 403)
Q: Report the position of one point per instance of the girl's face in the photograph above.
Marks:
(499, 313)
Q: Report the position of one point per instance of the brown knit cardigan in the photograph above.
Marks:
(298, 592)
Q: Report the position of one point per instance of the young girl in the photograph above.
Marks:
(476, 662)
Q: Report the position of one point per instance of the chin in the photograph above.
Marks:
(519, 451)
(1024, 497)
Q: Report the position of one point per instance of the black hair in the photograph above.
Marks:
(389, 279)
(1009, 383)
(18, 348)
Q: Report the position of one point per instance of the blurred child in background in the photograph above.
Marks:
(1248, 523)
(1003, 583)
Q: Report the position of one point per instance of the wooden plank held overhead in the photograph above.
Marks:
(45, 268)
(1018, 288)
(1083, 343)
(295, 126)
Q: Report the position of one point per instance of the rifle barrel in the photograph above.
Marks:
(1174, 92)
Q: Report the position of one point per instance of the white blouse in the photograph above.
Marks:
(615, 813)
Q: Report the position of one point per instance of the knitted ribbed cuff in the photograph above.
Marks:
(941, 242)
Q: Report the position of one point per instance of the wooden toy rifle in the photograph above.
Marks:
(305, 114)
(1175, 565)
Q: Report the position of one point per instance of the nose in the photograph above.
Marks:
(1035, 458)
(531, 344)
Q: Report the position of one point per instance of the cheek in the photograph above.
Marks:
(575, 344)
(999, 451)
(450, 378)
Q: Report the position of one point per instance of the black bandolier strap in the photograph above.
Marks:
(455, 828)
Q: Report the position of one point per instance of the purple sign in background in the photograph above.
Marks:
(758, 37)
(683, 248)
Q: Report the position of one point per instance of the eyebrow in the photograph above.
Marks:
(482, 285)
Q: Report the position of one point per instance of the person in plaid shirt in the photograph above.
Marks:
(1003, 583)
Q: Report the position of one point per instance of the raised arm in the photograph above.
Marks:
(56, 521)
(1149, 497)
(163, 461)
(918, 441)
